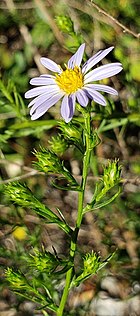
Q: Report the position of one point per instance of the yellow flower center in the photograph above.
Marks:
(70, 80)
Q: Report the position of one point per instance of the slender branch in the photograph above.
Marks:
(21, 177)
(104, 15)
(75, 4)
(122, 26)
(32, 172)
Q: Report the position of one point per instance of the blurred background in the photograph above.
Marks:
(55, 29)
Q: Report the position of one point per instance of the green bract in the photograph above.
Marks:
(16, 279)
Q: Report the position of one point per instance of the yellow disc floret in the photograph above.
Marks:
(70, 80)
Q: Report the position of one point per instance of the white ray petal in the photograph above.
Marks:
(102, 87)
(102, 72)
(82, 98)
(45, 106)
(48, 92)
(68, 107)
(96, 96)
(95, 59)
(50, 64)
(76, 59)
(40, 90)
(39, 81)
(34, 92)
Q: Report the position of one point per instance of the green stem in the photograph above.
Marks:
(86, 161)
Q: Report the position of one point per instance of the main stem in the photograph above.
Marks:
(86, 161)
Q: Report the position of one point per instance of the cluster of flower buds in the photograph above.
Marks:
(91, 264)
(21, 195)
(65, 24)
(110, 178)
(43, 261)
(112, 174)
(16, 279)
(49, 162)
(58, 145)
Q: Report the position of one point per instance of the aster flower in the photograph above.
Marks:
(73, 84)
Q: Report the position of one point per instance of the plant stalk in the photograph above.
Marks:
(86, 161)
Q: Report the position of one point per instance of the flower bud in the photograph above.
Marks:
(91, 265)
(43, 261)
(21, 194)
(48, 161)
(111, 174)
(65, 23)
(16, 279)
(110, 178)
(58, 145)
(70, 131)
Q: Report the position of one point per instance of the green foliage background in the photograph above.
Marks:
(54, 29)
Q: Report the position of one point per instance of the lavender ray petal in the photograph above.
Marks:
(65, 108)
(82, 98)
(85, 64)
(45, 106)
(36, 99)
(71, 100)
(37, 114)
(96, 96)
(103, 72)
(76, 59)
(102, 87)
(39, 90)
(50, 64)
(45, 100)
(95, 59)
(38, 81)
(68, 107)
(34, 92)
(49, 91)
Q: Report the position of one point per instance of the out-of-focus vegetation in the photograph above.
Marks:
(54, 29)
